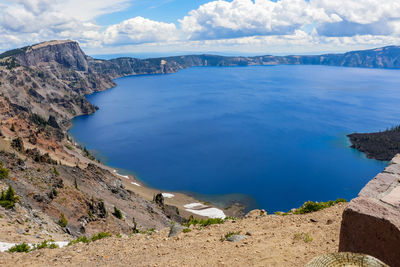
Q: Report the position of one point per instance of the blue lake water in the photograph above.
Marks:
(273, 136)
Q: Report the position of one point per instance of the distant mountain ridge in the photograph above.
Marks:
(384, 57)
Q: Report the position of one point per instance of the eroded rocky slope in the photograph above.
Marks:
(41, 88)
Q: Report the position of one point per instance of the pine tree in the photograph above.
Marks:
(76, 184)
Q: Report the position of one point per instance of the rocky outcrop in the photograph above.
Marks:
(371, 222)
(67, 53)
(380, 145)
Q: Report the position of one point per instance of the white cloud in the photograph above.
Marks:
(360, 11)
(262, 25)
(140, 30)
(222, 19)
(367, 17)
(85, 10)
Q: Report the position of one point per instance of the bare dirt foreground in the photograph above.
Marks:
(291, 240)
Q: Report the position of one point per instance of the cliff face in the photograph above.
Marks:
(51, 79)
(66, 53)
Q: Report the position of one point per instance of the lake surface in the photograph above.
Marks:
(273, 136)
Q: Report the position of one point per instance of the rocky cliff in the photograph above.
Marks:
(66, 53)
(41, 88)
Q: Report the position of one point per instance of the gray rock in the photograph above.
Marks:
(175, 229)
(235, 238)
(370, 223)
(20, 231)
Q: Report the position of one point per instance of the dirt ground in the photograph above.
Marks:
(291, 240)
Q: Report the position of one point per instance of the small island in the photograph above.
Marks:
(382, 145)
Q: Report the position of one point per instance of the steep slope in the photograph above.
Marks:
(291, 240)
(41, 88)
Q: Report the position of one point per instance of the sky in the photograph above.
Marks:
(196, 26)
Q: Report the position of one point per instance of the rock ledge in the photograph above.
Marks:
(371, 222)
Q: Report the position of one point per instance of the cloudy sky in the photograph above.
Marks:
(230, 26)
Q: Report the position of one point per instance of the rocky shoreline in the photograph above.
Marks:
(382, 145)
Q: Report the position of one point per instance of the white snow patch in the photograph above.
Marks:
(4, 246)
(123, 176)
(135, 184)
(168, 195)
(61, 243)
(194, 205)
(203, 210)
(210, 212)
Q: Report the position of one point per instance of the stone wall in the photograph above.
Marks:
(371, 222)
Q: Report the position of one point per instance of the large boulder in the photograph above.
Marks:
(371, 222)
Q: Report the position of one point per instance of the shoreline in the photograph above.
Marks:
(134, 184)
(178, 199)
(186, 204)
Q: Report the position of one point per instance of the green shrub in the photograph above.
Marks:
(117, 213)
(81, 239)
(84, 239)
(18, 144)
(45, 244)
(311, 206)
(186, 230)
(229, 234)
(8, 198)
(55, 171)
(4, 172)
(69, 147)
(146, 232)
(203, 222)
(100, 235)
(230, 218)
(20, 248)
(303, 236)
(62, 221)
(53, 246)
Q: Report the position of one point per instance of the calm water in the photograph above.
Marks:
(275, 134)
